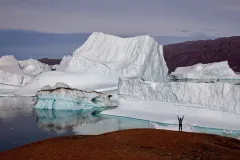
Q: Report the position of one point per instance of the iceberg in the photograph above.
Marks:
(11, 73)
(98, 63)
(202, 104)
(112, 57)
(33, 67)
(62, 97)
(211, 71)
(63, 64)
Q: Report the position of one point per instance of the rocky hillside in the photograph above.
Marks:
(204, 51)
(50, 61)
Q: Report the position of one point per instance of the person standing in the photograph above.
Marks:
(180, 122)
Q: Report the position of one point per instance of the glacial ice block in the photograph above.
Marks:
(33, 67)
(101, 60)
(112, 57)
(11, 73)
(215, 96)
(63, 64)
(63, 97)
(215, 105)
(211, 71)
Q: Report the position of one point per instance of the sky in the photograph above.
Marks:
(124, 17)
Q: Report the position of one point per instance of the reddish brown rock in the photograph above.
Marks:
(135, 144)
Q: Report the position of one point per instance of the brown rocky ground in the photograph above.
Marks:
(131, 144)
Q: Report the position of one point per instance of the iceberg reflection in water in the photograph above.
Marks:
(37, 124)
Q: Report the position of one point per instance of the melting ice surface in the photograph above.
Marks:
(20, 124)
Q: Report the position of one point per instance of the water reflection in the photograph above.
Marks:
(109, 124)
(60, 120)
(20, 124)
(84, 122)
(12, 106)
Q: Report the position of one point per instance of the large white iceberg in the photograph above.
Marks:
(210, 71)
(62, 97)
(203, 104)
(98, 63)
(112, 57)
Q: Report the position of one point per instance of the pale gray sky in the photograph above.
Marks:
(154, 17)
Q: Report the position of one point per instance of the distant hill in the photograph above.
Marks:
(50, 61)
(204, 51)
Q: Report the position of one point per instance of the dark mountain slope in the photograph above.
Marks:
(204, 51)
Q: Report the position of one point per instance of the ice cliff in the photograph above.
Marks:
(62, 97)
(212, 71)
(112, 57)
(213, 105)
(214, 96)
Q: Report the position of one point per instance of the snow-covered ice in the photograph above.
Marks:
(33, 67)
(15, 74)
(62, 97)
(80, 81)
(11, 73)
(215, 96)
(63, 64)
(202, 104)
(112, 57)
(210, 71)
(98, 63)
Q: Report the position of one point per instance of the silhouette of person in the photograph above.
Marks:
(180, 122)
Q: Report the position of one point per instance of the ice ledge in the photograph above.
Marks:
(62, 97)
(212, 96)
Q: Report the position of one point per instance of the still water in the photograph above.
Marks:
(21, 124)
